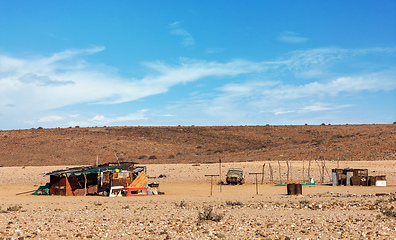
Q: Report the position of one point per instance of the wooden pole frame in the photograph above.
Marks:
(256, 181)
(211, 181)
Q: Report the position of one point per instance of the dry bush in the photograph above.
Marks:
(182, 204)
(236, 203)
(389, 212)
(14, 208)
(209, 215)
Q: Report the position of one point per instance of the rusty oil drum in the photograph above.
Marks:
(294, 189)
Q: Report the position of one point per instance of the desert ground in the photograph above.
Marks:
(189, 211)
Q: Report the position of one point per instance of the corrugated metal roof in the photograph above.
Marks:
(86, 170)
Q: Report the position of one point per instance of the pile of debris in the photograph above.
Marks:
(356, 177)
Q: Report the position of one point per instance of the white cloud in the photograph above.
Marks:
(32, 88)
(283, 112)
(214, 50)
(187, 38)
(120, 119)
(322, 107)
(291, 37)
(50, 119)
(37, 85)
(99, 118)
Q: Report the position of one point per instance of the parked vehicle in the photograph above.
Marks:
(235, 176)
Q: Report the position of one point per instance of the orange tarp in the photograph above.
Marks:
(140, 180)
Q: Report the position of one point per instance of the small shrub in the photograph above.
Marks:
(392, 199)
(236, 203)
(125, 207)
(153, 157)
(380, 200)
(14, 208)
(3, 211)
(388, 212)
(182, 204)
(209, 215)
(97, 203)
(304, 202)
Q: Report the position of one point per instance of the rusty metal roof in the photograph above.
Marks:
(76, 171)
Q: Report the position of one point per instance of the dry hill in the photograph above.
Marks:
(191, 144)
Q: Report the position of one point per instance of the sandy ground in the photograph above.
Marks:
(323, 211)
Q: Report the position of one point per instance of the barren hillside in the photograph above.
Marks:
(182, 144)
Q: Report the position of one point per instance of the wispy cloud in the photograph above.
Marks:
(50, 119)
(214, 50)
(291, 37)
(322, 107)
(32, 88)
(42, 80)
(283, 112)
(250, 99)
(187, 38)
(101, 119)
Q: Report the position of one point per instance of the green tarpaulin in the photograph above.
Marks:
(42, 190)
(283, 184)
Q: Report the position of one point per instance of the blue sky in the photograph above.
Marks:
(166, 63)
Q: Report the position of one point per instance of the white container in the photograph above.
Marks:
(334, 177)
(380, 183)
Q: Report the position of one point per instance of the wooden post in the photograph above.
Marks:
(256, 180)
(320, 171)
(271, 173)
(220, 175)
(309, 167)
(291, 172)
(85, 188)
(220, 168)
(327, 170)
(211, 181)
(323, 168)
(288, 170)
(303, 173)
(262, 178)
(280, 177)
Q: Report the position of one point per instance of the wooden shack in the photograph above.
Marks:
(93, 180)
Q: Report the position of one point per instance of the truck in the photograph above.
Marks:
(235, 176)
